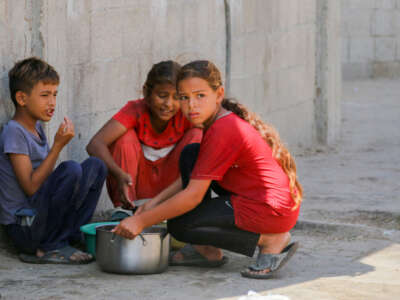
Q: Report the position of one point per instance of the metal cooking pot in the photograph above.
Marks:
(146, 254)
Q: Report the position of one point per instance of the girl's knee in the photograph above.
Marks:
(176, 228)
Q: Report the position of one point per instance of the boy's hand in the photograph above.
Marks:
(124, 184)
(64, 133)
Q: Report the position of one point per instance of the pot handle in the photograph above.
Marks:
(143, 239)
(113, 236)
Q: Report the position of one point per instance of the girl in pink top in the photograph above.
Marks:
(241, 159)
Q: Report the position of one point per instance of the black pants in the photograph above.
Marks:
(212, 222)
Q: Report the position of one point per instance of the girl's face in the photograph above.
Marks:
(163, 102)
(199, 102)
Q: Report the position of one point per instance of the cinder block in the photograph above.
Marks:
(356, 22)
(383, 23)
(345, 44)
(295, 125)
(361, 50)
(385, 4)
(358, 3)
(354, 71)
(397, 58)
(385, 49)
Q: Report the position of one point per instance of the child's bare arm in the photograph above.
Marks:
(165, 194)
(31, 180)
(98, 146)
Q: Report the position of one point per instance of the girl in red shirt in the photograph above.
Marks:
(142, 143)
(241, 159)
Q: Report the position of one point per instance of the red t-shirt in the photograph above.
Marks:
(135, 115)
(235, 155)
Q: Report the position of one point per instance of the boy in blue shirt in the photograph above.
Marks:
(42, 208)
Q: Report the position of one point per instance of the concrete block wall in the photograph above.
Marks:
(103, 50)
(273, 64)
(371, 38)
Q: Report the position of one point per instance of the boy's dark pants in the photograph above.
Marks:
(212, 222)
(65, 201)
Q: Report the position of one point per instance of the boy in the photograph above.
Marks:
(43, 209)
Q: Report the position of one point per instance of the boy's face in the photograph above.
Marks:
(41, 101)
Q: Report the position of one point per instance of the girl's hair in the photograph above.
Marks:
(161, 73)
(208, 71)
(26, 73)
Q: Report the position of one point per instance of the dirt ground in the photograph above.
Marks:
(349, 227)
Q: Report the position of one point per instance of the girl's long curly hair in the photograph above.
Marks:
(208, 71)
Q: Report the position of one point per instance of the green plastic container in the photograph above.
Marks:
(89, 231)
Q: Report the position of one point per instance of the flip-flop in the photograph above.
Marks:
(59, 256)
(192, 258)
(273, 262)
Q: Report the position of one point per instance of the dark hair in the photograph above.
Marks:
(209, 72)
(27, 73)
(161, 73)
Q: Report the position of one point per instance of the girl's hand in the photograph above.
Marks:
(129, 227)
(124, 184)
(147, 206)
(64, 133)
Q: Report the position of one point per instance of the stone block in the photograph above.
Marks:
(361, 50)
(385, 49)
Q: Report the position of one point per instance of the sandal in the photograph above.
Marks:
(272, 262)
(59, 256)
(192, 258)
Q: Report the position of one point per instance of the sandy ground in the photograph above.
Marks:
(349, 227)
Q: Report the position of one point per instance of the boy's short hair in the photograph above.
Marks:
(27, 73)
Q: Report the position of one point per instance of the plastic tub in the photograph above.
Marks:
(89, 231)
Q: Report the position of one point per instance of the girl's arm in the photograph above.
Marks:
(30, 180)
(177, 205)
(165, 194)
(99, 147)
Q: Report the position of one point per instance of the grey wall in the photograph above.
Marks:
(371, 38)
(276, 55)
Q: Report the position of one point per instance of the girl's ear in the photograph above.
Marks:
(220, 94)
(20, 97)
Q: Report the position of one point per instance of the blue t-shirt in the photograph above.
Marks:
(14, 138)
